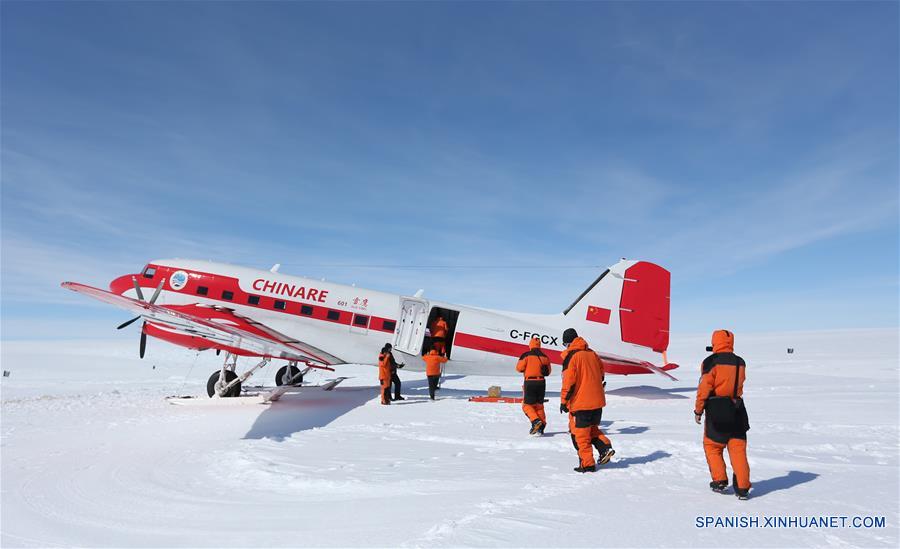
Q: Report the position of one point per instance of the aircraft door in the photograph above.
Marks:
(411, 328)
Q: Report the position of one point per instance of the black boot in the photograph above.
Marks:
(543, 426)
(398, 397)
(588, 469)
(741, 493)
(536, 427)
(605, 450)
(719, 486)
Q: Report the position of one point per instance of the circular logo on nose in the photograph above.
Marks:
(178, 280)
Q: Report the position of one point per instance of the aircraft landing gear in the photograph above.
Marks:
(226, 382)
(289, 374)
(213, 385)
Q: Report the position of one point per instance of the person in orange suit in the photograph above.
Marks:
(385, 372)
(439, 335)
(719, 395)
(535, 366)
(395, 378)
(583, 397)
(433, 361)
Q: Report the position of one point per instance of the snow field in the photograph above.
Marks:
(92, 455)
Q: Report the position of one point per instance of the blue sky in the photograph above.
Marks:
(751, 148)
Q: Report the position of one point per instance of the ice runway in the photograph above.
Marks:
(92, 455)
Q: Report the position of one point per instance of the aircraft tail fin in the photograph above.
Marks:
(631, 297)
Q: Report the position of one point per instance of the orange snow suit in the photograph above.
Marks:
(385, 371)
(433, 362)
(535, 365)
(439, 335)
(583, 394)
(722, 376)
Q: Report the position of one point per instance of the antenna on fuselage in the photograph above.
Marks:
(275, 267)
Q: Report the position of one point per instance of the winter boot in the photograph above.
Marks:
(741, 493)
(588, 469)
(541, 430)
(536, 427)
(398, 397)
(718, 486)
(606, 455)
(605, 450)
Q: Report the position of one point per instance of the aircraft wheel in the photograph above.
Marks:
(284, 375)
(229, 377)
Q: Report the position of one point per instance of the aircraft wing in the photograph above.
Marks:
(222, 327)
(618, 365)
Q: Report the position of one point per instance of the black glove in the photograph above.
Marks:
(402, 364)
(563, 409)
(697, 417)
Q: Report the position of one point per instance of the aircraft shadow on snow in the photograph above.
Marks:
(308, 410)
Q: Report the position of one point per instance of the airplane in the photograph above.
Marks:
(203, 305)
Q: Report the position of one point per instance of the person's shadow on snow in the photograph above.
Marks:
(637, 460)
(793, 478)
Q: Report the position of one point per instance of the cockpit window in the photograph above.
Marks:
(149, 271)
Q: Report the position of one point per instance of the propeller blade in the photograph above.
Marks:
(127, 323)
(143, 341)
(137, 288)
(158, 290)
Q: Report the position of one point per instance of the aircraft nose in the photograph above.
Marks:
(121, 284)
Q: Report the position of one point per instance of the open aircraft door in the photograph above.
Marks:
(411, 329)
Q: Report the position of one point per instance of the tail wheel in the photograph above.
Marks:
(286, 373)
(229, 377)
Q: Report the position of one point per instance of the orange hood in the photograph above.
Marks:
(723, 341)
(535, 343)
(578, 344)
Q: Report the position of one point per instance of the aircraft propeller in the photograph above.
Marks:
(140, 295)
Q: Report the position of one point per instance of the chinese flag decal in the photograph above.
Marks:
(598, 314)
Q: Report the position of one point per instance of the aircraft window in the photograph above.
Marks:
(149, 272)
(334, 315)
(253, 299)
(306, 310)
(279, 305)
(227, 295)
(202, 290)
(389, 325)
(360, 320)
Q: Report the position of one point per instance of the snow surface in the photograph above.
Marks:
(92, 455)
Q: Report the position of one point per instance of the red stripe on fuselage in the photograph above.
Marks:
(509, 348)
(499, 347)
(217, 284)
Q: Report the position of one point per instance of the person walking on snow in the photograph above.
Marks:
(719, 395)
(583, 397)
(535, 366)
(433, 361)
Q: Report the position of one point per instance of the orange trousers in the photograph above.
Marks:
(583, 438)
(737, 453)
(599, 433)
(535, 411)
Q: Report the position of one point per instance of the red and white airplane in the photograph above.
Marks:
(624, 316)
